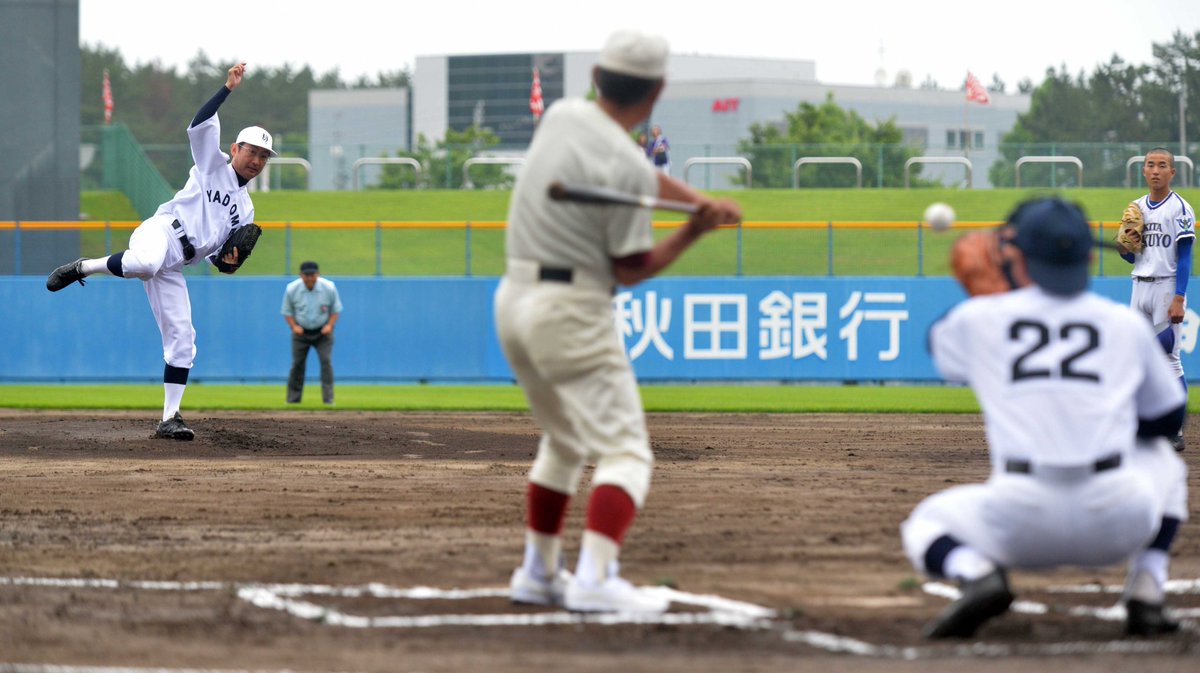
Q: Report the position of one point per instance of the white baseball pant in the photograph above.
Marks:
(561, 342)
(1152, 298)
(1055, 517)
(155, 255)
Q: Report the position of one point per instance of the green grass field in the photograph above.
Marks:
(700, 398)
(839, 250)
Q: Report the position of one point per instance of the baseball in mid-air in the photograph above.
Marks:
(939, 216)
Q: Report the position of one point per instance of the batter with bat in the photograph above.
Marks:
(553, 311)
(211, 218)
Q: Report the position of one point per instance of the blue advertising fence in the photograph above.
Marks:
(441, 329)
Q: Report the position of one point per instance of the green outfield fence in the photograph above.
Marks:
(125, 167)
(476, 248)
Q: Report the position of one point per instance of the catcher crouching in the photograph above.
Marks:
(1078, 406)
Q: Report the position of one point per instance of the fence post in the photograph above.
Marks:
(920, 250)
(107, 238)
(468, 247)
(17, 248)
(829, 247)
(739, 249)
(1100, 236)
(879, 168)
(287, 248)
(1053, 168)
(378, 248)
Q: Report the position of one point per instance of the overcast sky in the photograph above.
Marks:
(849, 40)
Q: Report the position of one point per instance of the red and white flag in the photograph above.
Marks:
(536, 105)
(975, 90)
(106, 96)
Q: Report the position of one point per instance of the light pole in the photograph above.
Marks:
(1183, 110)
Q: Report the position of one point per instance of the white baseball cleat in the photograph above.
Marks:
(530, 590)
(612, 595)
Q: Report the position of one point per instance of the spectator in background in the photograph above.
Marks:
(660, 150)
(311, 307)
(644, 143)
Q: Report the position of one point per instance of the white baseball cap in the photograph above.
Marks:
(257, 136)
(630, 52)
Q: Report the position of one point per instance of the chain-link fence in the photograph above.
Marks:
(119, 161)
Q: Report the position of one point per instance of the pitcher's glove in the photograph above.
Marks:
(1129, 233)
(241, 241)
(986, 262)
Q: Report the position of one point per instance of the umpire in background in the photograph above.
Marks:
(311, 307)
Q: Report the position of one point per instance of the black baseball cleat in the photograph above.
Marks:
(65, 275)
(981, 600)
(174, 428)
(1177, 443)
(1147, 619)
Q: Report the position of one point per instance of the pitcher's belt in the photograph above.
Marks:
(189, 251)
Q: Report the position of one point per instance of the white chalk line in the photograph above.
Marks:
(287, 598)
(721, 611)
(1113, 613)
(841, 644)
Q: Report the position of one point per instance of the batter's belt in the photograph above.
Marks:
(526, 271)
(1151, 279)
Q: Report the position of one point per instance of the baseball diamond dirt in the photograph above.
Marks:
(302, 541)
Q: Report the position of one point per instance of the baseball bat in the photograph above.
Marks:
(608, 196)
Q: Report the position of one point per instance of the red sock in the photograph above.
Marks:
(545, 509)
(610, 512)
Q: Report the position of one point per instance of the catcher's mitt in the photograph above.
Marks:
(986, 262)
(1129, 233)
(241, 239)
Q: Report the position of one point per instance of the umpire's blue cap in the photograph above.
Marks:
(1056, 241)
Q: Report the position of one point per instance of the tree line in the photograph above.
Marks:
(157, 102)
(1118, 110)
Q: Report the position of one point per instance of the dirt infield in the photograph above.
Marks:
(779, 534)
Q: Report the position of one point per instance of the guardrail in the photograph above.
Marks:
(1185, 179)
(263, 183)
(729, 161)
(939, 160)
(826, 160)
(1074, 161)
(374, 161)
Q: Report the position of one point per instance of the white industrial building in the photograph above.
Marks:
(708, 107)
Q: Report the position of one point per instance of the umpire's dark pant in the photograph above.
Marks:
(300, 345)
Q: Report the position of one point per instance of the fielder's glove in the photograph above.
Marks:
(986, 262)
(241, 239)
(1129, 234)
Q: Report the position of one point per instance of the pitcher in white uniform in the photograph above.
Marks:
(1078, 404)
(555, 321)
(184, 231)
(1162, 267)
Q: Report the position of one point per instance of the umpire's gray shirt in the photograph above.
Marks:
(311, 308)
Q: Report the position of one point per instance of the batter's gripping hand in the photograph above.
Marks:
(237, 248)
(1129, 234)
(985, 263)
